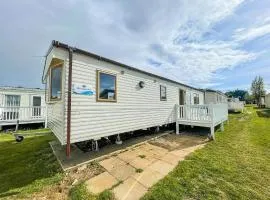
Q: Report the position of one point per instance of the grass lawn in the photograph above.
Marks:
(28, 166)
(235, 166)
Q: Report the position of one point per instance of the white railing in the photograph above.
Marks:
(9, 114)
(212, 113)
(236, 105)
(194, 112)
(219, 113)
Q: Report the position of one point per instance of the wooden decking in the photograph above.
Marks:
(22, 115)
(201, 115)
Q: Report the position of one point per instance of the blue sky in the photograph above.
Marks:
(208, 44)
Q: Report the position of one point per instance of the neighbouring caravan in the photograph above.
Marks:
(90, 97)
(21, 105)
(267, 100)
(234, 104)
(214, 96)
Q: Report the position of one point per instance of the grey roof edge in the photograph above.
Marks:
(211, 90)
(21, 88)
(87, 53)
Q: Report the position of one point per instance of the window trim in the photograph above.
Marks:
(60, 65)
(98, 86)
(33, 100)
(196, 96)
(161, 98)
(17, 95)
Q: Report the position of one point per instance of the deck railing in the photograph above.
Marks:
(236, 105)
(9, 114)
(212, 113)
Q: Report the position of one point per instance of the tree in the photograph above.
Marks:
(241, 94)
(257, 89)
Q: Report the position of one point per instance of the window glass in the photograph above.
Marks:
(36, 101)
(107, 87)
(196, 99)
(56, 79)
(163, 93)
(13, 100)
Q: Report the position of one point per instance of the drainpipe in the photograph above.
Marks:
(70, 53)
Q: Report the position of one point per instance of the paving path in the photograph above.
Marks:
(131, 173)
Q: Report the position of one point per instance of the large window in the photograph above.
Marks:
(163, 93)
(106, 87)
(56, 83)
(196, 99)
(13, 100)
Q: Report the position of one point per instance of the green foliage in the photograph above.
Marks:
(79, 192)
(139, 170)
(235, 166)
(106, 195)
(257, 88)
(142, 156)
(241, 94)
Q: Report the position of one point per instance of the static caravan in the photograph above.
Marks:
(21, 105)
(214, 97)
(267, 100)
(90, 97)
(234, 104)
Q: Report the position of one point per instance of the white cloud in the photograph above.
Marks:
(252, 33)
(170, 33)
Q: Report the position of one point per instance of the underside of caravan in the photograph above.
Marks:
(90, 97)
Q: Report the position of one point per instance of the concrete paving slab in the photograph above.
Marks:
(111, 163)
(148, 177)
(131, 189)
(127, 156)
(161, 167)
(100, 183)
(170, 158)
(140, 163)
(123, 172)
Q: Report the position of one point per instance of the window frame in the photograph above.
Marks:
(197, 97)
(98, 86)
(61, 82)
(161, 98)
(13, 95)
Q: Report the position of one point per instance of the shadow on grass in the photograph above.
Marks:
(263, 113)
(29, 164)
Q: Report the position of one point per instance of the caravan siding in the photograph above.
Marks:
(214, 97)
(56, 110)
(267, 101)
(135, 108)
(26, 96)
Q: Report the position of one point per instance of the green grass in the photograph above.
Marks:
(235, 166)
(263, 112)
(79, 192)
(28, 166)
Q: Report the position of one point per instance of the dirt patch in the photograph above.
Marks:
(71, 178)
(174, 142)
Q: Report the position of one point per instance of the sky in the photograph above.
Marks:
(217, 44)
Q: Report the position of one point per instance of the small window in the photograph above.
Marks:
(106, 87)
(13, 100)
(56, 83)
(163, 93)
(196, 99)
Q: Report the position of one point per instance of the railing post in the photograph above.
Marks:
(176, 119)
(46, 117)
(212, 128)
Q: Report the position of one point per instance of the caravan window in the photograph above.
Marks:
(163, 93)
(56, 83)
(196, 99)
(13, 100)
(106, 87)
